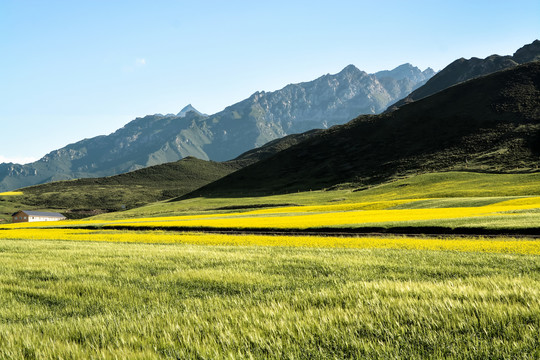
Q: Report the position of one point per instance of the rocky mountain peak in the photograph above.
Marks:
(187, 109)
(350, 69)
(429, 72)
(406, 67)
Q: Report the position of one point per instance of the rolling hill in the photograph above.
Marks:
(85, 197)
(91, 196)
(488, 124)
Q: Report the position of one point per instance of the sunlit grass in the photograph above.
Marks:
(74, 299)
(442, 187)
(105, 293)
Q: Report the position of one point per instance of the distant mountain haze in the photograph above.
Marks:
(263, 117)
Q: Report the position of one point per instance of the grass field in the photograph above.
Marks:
(73, 299)
(460, 188)
(445, 189)
(87, 289)
(488, 213)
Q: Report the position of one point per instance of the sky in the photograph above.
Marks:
(71, 70)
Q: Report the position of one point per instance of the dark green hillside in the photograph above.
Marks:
(131, 189)
(489, 124)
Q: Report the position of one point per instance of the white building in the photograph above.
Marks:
(30, 216)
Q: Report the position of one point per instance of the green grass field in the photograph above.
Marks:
(72, 300)
(445, 189)
(110, 294)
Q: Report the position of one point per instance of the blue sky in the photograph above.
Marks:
(76, 69)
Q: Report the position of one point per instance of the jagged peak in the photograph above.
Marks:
(429, 71)
(403, 71)
(187, 109)
(350, 68)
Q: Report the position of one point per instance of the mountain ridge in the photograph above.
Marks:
(463, 69)
(250, 123)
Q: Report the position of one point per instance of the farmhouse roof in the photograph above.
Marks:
(40, 213)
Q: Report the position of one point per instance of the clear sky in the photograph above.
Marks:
(75, 69)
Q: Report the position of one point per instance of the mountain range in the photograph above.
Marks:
(263, 117)
(490, 123)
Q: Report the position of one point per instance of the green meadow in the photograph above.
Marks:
(78, 299)
(73, 300)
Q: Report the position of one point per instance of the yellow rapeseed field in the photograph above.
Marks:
(496, 245)
(11, 193)
(520, 203)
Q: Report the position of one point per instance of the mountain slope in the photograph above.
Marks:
(263, 117)
(463, 70)
(143, 142)
(490, 123)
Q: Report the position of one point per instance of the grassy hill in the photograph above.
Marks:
(450, 188)
(85, 197)
(489, 124)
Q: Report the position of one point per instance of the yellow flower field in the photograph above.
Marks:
(496, 245)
